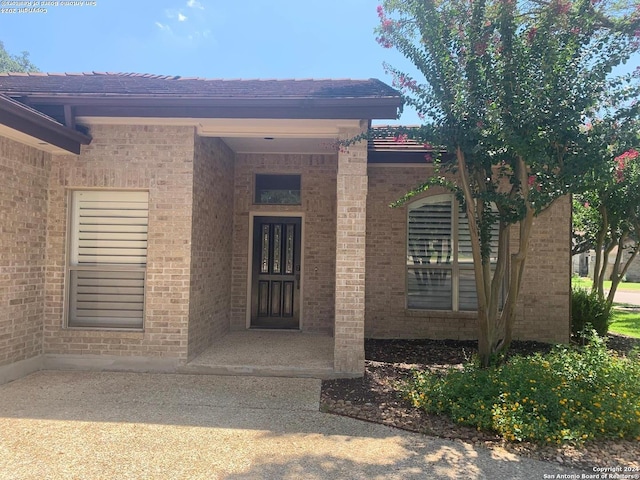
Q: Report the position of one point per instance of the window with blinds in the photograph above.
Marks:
(440, 272)
(108, 257)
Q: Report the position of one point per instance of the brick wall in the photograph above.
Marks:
(318, 184)
(543, 309)
(154, 158)
(24, 173)
(351, 218)
(211, 243)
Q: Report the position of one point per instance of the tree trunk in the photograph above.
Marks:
(495, 327)
(599, 249)
(486, 325)
(617, 275)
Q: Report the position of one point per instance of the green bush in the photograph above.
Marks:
(570, 395)
(587, 308)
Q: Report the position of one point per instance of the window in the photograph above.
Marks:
(107, 260)
(278, 189)
(440, 272)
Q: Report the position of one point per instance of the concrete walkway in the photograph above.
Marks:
(79, 425)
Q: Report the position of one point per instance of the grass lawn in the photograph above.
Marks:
(626, 322)
(585, 282)
(582, 282)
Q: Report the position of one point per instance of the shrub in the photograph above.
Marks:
(587, 308)
(570, 395)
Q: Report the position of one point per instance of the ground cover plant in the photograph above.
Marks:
(570, 395)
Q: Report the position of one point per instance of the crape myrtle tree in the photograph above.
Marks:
(504, 86)
(607, 214)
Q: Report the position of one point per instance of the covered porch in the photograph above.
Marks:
(267, 353)
(316, 297)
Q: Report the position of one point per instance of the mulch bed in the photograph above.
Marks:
(375, 397)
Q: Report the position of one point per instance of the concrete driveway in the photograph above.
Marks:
(77, 425)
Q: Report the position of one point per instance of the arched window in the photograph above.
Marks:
(440, 272)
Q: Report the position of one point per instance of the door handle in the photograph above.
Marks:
(297, 281)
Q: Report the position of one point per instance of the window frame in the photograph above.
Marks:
(454, 266)
(275, 178)
(72, 264)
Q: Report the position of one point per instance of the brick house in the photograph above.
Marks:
(145, 218)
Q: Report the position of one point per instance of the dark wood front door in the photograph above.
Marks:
(275, 291)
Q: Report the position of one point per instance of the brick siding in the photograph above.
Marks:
(154, 158)
(543, 308)
(24, 173)
(211, 243)
(318, 185)
(201, 198)
(350, 256)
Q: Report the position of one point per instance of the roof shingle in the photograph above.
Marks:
(126, 84)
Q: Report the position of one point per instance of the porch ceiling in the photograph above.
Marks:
(254, 135)
(272, 144)
(317, 136)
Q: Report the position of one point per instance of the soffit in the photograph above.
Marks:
(25, 139)
(253, 135)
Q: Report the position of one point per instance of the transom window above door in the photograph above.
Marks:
(277, 189)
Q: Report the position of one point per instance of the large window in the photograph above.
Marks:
(107, 260)
(440, 272)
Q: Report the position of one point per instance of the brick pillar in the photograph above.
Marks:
(351, 228)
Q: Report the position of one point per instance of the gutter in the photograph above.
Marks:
(33, 123)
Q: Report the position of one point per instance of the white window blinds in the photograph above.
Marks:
(440, 272)
(107, 259)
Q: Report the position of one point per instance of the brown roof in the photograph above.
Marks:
(9, 104)
(65, 96)
(37, 125)
(399, 148)
(398, 144)
(107, 84)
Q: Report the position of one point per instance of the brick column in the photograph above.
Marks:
(351, 225)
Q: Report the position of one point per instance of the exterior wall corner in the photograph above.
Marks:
(351, 229)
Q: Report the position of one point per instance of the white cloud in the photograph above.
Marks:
(163, 27)
(195, 4)
(186, 30)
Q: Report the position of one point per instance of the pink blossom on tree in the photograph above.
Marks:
(505, 89)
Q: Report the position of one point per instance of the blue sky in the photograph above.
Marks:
(209, 38)
(206, 38)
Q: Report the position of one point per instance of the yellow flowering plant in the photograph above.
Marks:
(570, 395)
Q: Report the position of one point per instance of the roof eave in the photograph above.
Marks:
(222, 107)
(23, 119)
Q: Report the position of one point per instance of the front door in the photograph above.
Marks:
(275, 290)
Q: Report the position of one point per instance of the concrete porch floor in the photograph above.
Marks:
(267, 353)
